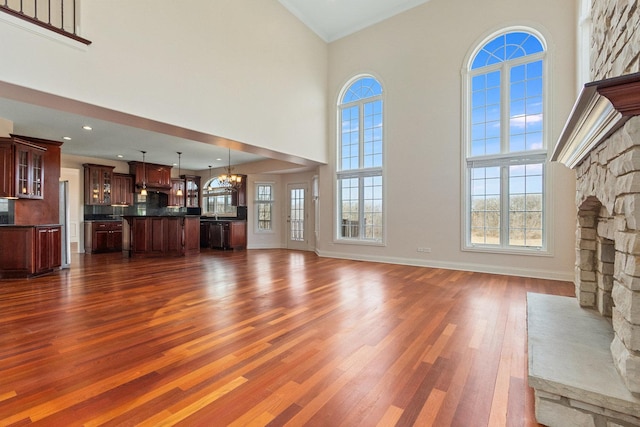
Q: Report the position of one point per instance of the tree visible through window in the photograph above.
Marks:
(264, 206)
(360, 156)
(506, 155)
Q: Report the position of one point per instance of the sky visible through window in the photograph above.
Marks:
(506, 117)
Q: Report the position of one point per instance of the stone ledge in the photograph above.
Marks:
(569, 355)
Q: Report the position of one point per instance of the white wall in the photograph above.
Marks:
(244, 70)
(418, 56)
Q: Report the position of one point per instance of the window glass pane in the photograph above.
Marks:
(372, 221)
(525, 205)
(485, 206)
(349, 204)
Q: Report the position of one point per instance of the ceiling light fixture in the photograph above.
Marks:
(87, 127)
(179, 192)
(229, 181)
(210, 180)
(66, 138)
(143, 192)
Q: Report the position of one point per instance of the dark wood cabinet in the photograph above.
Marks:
(192, 190)
(149, 236)
(176, 199)
(48, 249)
(239, 197)
(98, 184)
(102, 236)
(29, 250)
(7, 184)
(29, 170)
(122, 194)
(151, 175)
(224, 234)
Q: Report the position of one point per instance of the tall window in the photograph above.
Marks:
(506, 149)
(360, 157)
(264, 207)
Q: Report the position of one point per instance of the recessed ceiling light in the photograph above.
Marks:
(219, 160)
(66, 138)
(120, 156)
(87, 127)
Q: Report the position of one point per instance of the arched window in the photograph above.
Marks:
(217, 199)
(506, 151)
(359, 163)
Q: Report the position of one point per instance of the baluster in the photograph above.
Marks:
(20, 6)
(62, 14)
(49, 12)
(35, 9)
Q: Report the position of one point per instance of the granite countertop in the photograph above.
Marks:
(29, 225)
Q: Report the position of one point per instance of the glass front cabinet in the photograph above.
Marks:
(29, 172)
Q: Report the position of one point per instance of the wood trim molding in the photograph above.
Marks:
(601, 108)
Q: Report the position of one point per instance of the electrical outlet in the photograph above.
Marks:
(425, 250)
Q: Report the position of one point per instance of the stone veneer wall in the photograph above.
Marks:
(615, 38)
(608, 277)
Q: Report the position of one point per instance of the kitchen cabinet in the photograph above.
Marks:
(29, 250)
(150, 174)
(48, 249)
(98, 182)
(225, 234)
(239, 197)
(156, 236)
(7, 184)
(29, 166)
(174, 198)
(102, 236)
(192, 190)
(122, 194)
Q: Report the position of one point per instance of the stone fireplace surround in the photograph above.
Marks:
(584, 361)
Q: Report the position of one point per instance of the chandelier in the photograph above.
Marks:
(228, 180)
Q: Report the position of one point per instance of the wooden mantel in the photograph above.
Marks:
(602, 108)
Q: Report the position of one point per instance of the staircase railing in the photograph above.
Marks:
(59, 16)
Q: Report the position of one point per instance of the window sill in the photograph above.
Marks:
(508, 251)
(358, 242)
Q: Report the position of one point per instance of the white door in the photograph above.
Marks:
(297, 216)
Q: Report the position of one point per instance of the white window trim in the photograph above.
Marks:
(548, 208)
(359, 172)
(257, 203)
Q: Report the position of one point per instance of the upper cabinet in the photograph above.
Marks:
(192, 193)
(151, 175)
(239, 197)
(7, 184)
(29, 162)
(122, 190)
(98, 181)
(175, 199)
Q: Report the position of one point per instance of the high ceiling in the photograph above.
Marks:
(333, 19)
(41, 115)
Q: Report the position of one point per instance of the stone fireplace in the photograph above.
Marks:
(585, 364)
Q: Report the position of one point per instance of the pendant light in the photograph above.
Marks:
(179, 192)
(210, 179)
(143, 192)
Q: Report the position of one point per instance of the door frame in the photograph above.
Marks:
(295, 244)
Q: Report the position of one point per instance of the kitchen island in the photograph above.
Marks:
(160, 235)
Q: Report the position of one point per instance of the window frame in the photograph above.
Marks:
(504, 158)
(361, 173)
(257, 203)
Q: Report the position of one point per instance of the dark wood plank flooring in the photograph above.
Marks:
(264, 337)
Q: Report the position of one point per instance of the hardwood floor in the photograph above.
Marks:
(265, 337)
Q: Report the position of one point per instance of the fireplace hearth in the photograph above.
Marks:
(601, 142)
